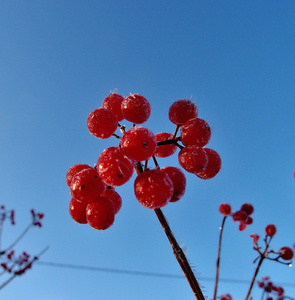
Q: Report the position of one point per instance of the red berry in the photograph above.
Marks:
(225, 209)
(77, 210)
(139, 143)
(153, 188)
(249, 220)
(179, 182)
(270, 230)
(86, 185)
(195, 132)
(193, 159)
(240, 216)
(74, 170)
(136, 109)
(114, 167)
(100, 213)
(181, 111)
(286, 253)
(213, 166)
(116, 199)
(113, 102)
(102, 123)
(247, 208)
(164, 150)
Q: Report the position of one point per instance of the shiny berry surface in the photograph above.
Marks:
(139, 143)
(164, 150)
(153, 189)
(136, 109)
(114, 167)
(77, 210)
(102, 123)
(74, 170)
(213, 166)
(113, 102)
(115, 198)
(181, 111)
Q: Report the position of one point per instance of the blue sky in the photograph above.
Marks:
(60, 59)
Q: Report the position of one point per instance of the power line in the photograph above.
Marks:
(143, 273)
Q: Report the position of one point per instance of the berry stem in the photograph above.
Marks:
(218, 258)
(180, 256)
(176, 130)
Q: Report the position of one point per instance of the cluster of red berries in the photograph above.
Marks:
(242, 215)
(270, 289)
(22, 262)
(94, 199)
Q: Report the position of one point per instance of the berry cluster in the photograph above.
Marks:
(242, 215)
(271, 290)
(94, 199)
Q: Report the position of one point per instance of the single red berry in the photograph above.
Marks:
(164, 150)
(100, 213)
(286, 253)
(247, 208)
(242, 226)
(193, 159)
(139, 143)
(270, 230)
(102, 123)
(77, 210)
(86, 185)
(136, 109)
(179, 182)
(240, 216)
(226, 297)
(115, 198)
(280, 290)
(213, 166)
(195, 132)
(181, 111)
(74, 170)
(113, 102)
(153, 188)
(249, 220)
(114, 167)
(225, 209)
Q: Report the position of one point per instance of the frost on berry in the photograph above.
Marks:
(179, 182)
(114, 167)
(136, 109)
(270, 230)
(113, 102)
(181, 111)
(100, 213)
(115, 198)
(164, 150)
(225, 209)
(86, 185)
(73, 170)
(102, 123)
(153, 188)
(212, 167)
(193, 159)
(286, 253)
(77, 210)
(139, 143)
(195, 131)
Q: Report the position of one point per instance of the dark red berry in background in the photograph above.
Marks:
(195, 132)
(164, 150)
(86, 185)
(181, 111)
(114, 167)
(179, 182)
(270, 230)
(136, 109)
(240, 216)
(100, 214)
(213, 166)
(153, 188)
(139, 143)
(102, 123)
(113, 102)
(77, 210)
(286, 253)
(225, 209)
(73, 170)
(247, 208)
(193, 159)
(115, 198)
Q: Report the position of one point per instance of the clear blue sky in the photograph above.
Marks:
(59, 60)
